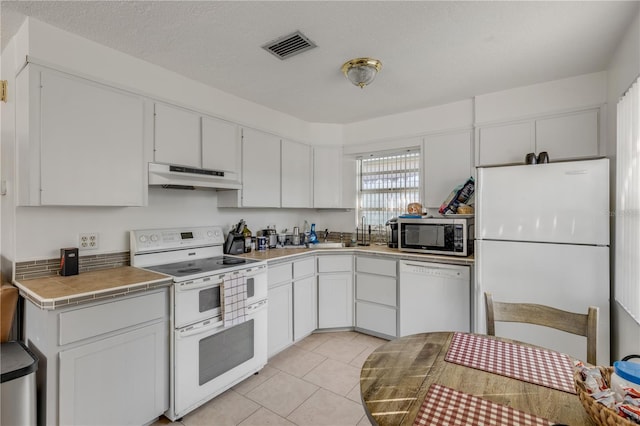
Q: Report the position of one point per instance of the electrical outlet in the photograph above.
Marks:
(88, 241)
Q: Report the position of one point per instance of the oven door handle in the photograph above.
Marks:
(195, 286)
(200, 330)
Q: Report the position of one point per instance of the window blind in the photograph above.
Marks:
(627, 244)
(387, 184)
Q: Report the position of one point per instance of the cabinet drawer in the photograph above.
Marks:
(375, 265)
(334, 263)
(93, 321)
(377, 289)
(278, 273)
(379, 319)
(303, 268)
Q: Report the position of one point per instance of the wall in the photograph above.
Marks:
(623, 70)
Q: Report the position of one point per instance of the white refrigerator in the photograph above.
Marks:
(542, 236)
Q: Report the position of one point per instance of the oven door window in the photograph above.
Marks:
(251, 289)
(209, 299)
(224, 351)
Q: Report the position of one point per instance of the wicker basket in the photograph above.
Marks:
(600, 414)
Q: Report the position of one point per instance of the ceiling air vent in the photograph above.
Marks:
(289, 45)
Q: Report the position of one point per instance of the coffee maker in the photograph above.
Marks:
(392, 232)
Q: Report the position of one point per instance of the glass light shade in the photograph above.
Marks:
(361, 71)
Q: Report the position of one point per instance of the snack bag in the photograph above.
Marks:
(462, 194)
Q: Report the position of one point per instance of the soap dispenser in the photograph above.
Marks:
(313, 238)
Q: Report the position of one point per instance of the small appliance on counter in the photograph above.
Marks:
(272, 237)
(68, 261)
(392, 232)
(234, 244)
(449, 235)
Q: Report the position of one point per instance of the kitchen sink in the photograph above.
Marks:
(326, 245)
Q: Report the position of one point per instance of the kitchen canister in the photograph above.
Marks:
(626, 374)
(262, 243)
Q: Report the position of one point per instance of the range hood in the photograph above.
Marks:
(180, 177)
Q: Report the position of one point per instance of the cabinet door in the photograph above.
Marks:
(335, 263)
(119, 380)
(327, 177)
(447, 163)
(568, 137)
(92, 147)
(177, 136)
(305, 317)
(335, 300)
(376, 318)
(280, 320)
(504, 144)
(220, 145)
(260, 169)
(297, 189)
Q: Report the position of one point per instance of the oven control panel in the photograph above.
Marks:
(146, 240)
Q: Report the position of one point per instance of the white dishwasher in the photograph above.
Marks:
(434, 297)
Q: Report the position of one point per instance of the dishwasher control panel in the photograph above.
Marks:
(435, 269)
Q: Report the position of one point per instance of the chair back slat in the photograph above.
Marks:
(571, 322)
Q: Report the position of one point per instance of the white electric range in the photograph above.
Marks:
(219, 321)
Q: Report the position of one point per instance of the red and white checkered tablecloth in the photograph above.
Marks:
(444, 406)
(534, 365)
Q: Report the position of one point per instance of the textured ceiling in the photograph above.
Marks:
(433, 52)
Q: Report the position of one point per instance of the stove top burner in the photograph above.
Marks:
(200, 266)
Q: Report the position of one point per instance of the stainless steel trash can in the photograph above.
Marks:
(18, 386)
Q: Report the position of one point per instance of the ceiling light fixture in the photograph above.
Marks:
(361, 71)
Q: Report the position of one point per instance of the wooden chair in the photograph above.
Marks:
(8, 301)
(571, 322)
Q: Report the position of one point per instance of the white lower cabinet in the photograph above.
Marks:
(280, 321)
(305, 298)
(335, 291)
(305, 307)
(376, 296)
(102, 362)
(280, 308)
(118, 380)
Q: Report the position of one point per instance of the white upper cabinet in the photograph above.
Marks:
(177, 136)
(297, 179)
(504, 144)
(327, 177)
(78, 142)
(564, 137)
(187, 138)
(447, 163)
(333, 178)
(260, 169)
(568, 137)
(220, 146)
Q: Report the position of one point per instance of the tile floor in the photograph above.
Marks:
(314, 382)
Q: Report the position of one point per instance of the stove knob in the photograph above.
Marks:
(209, 234)
(217, 232)
(154, 237)
(143, 238)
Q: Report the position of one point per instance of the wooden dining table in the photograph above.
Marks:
(396, 377)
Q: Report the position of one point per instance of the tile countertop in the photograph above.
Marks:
(289, 253)
(57, 291)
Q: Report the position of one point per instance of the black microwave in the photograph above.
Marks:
(437, 235)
